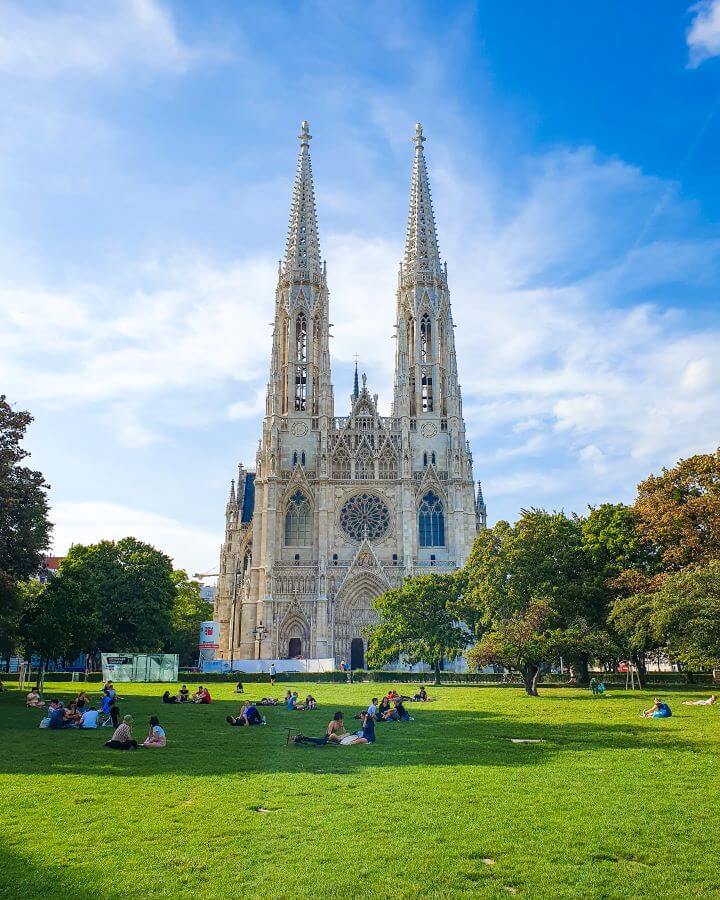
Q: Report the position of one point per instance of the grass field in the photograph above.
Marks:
(609, 806)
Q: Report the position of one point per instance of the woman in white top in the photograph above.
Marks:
(156, 735)
(711, 701)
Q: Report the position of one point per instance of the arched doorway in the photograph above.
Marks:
(294, 648)
(357, 654)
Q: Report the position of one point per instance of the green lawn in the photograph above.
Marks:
(609, 806)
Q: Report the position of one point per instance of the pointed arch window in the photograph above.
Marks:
(298, 521)
(301, 362)
(341, 465)
(425, 338)
(388, 466)
(427, 394)
(431, 522)
(364, 466)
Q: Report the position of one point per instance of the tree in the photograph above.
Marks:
(418, 620)
(679, 512)
(188, 612)
(24, 526)
(126, 590)
(539, 564)
(520, 642)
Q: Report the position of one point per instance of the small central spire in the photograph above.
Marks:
(305, 136)
(419, 138)
(356, 383)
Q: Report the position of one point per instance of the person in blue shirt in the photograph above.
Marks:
(659, 710)
(89, 718)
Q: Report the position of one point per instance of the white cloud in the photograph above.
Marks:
(703, 36)
(89, 37)
(87, 523)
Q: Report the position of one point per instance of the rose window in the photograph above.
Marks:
(364, 515)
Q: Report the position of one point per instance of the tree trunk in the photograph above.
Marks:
(584, 670)
(530, 675)
(437, 671)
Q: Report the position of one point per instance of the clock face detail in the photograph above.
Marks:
(364, 515)
(429, 429)
(299, 428)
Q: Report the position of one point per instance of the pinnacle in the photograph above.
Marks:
(303, 245)
(421, 245)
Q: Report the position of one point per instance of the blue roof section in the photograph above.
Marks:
(248, 506)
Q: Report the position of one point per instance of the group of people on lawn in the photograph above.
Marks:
(201, 695)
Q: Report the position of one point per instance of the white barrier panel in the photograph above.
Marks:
(263, 665)
(140, 666)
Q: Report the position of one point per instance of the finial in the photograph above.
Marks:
(364, 381)
(419, 138)
(305, 136)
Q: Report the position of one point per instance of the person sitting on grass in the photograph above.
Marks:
(156, 736)
(421, 696)
(310, 702)
(72, 716)
(367, 732)
(249, 715)
(122, 738)
(385, 712)
(81, 701)
(89, 718)
(711, 701)
(334, 734)
(658, 710)
(56, 714)
(184, 694)
(167, 697)
(403, 714)
(202, 695)
(239, 689)
(372, 709)
(34, 700)
(291, 701)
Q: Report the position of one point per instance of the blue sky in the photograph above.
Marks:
(147, 152)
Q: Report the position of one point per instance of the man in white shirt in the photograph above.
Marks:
(372, 709)
(89, 718)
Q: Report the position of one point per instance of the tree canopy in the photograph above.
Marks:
(24, 525)
(418, 620)
(188, 611)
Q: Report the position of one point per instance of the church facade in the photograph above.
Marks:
(341, 508)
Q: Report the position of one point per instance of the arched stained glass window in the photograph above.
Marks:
(298, 521)
(431, 522)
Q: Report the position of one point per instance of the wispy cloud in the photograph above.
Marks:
(703, 35)
(89, 37)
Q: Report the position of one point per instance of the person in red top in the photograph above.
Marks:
(202, 696)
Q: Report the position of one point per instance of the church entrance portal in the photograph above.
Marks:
(357, 654)
(294, 648)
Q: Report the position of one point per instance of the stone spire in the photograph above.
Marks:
(480, 509)
(303, 245)
(421, 245)
(356, 383)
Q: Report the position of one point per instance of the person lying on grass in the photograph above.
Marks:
(248, 716)
(337, 734)
(202, 695)
(34, 700)
(711, 701)
(658, 710)
(156, 736)
(122, 738)
(266, 701)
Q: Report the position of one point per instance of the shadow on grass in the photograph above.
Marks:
(201, 743)
(20, 877)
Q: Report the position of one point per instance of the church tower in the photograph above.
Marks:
(340, 509)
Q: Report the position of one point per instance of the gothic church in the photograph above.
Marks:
(341, 508)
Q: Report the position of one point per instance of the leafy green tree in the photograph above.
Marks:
(24, 526)
(57, 622)
(127, 591)
(631, 619)
(679, 512)
(542, 560)
(418, 619)
(188, 611)
(685, 616)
